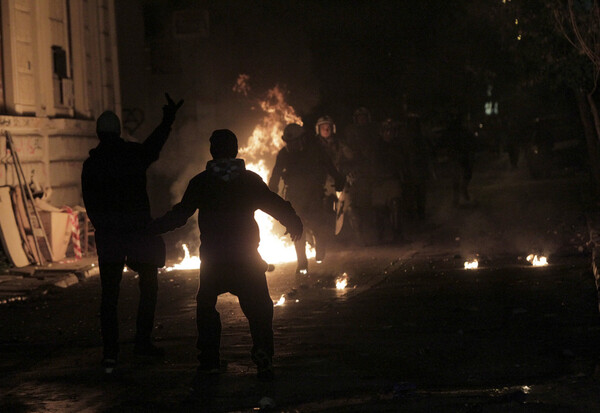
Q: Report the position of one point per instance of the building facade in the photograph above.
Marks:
(59, 71)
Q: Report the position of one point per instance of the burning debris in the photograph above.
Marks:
(281, 301)
(341, 282)
(471, 265)
(537, 261)
(187, 263)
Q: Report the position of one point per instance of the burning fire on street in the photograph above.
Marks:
(281, 301)
(537, 261)
(341, 282)
(262, 147)
(187, 263)
(471, 265)
(264, 143)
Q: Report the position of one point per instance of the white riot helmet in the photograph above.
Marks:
(323, 120)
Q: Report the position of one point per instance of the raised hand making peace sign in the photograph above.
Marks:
(170, 109)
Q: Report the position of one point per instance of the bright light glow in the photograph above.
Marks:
(537, 261)
(273, 248)
(263, 145)
(266, 137)
(471, 265)
(281, 301)
(341, 282)
(526, 389)
(187, 263)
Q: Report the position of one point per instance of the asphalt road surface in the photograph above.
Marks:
(413, 331)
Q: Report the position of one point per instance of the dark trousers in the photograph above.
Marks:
(249, 284)
(110, 277)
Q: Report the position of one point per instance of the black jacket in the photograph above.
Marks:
(305, 172)
(113, 183)
(226, 196)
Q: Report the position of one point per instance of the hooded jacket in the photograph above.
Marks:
(226, 195)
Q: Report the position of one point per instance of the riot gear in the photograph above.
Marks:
(303, 165)
(325, 120)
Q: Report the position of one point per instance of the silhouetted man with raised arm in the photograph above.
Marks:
(226, 196)
(113, 183)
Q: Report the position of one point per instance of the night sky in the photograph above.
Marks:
(334, 56)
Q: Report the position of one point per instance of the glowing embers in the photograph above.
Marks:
(187, 263)
(341, 282)
(471, 265)
(537, 261)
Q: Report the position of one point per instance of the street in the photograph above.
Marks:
(413, 331)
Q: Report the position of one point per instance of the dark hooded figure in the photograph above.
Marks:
(113, 183)
(226, 195)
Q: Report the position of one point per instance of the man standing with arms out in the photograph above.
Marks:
(113, 183)
(226, 196)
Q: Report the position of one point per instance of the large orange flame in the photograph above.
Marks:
(262, 147)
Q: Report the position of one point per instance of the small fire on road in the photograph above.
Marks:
(281, 301)
(537, 261)
(471, 265)
(341, 282)
(187, 263)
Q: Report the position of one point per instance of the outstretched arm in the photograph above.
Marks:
(155, 142)
(179, 214)
(280, 209)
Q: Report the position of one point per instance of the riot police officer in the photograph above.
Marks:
(303, 166)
